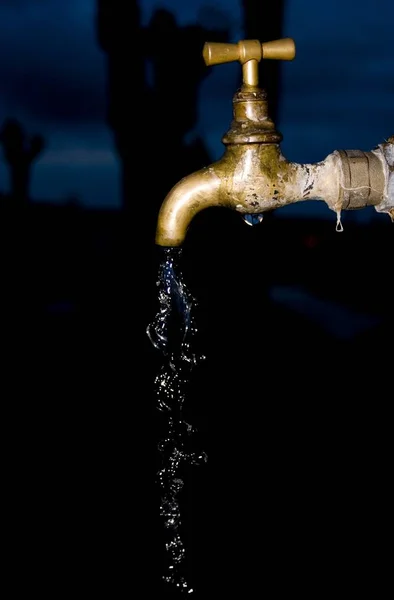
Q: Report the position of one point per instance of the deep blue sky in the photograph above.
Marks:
(338, 93)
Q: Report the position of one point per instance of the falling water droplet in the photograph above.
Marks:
(253, 219)
(339, 226)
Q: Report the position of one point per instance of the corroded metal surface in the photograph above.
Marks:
(253, 176)
(363, 183)
(386, 152)
(250, 178)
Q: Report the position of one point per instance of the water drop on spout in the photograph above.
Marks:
(254, 219)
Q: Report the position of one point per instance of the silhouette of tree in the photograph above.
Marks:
(19, 151)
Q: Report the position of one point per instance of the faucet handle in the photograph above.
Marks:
(248, 53)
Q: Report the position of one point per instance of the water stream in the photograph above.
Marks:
(172, 332)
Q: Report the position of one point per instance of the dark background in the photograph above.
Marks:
(293, 401)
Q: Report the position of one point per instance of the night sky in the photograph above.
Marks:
(338, 93)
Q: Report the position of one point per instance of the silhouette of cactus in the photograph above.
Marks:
(19, 151)
(165, 108)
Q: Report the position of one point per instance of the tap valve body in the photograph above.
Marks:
(253, 176)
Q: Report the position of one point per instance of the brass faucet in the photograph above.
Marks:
(253, 177)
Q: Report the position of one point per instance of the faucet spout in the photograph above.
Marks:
(188, 197)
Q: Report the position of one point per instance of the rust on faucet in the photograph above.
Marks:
(253, 176)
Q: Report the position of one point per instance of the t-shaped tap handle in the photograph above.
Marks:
(248, 53)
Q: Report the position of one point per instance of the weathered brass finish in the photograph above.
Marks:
(251, 122)
(253, 176)
(283, 49)
(250, 178)
(363, 182)
(215, 53)
(250, 73)
(248, 53)
(246, 178)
